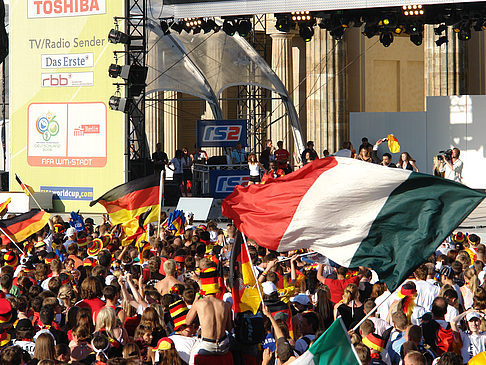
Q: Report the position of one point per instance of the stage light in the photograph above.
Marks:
(210, 25)
(386, 38)
(439, 42)
(165, 27)
(229, 28)
(337, 33)
(243, 27)
(114, 70)
(370, 30)
(440, 29)
(398, 29)
(118, 103)
(416, 39)
(177, 26)
(464, 34)
(284, 24)
(413, 10)
(301, 16)
(478, 26)
(193, 22)
(306, 32)
(115, 36)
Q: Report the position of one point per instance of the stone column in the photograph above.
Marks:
(327, 120)
(282, 65)
(444, 65)
(170, 122)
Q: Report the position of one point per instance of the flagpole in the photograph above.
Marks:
(161, 201)
(35, 200)
(252, 271)
(11, 240)
(374, 309)
(301, 255)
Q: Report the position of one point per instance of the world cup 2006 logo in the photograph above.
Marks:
(47, 126)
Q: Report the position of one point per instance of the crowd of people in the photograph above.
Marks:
(82, 298)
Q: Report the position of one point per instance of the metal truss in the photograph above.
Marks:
(137, 149)
(254, 102)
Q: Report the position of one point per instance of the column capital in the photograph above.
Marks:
(281, 35)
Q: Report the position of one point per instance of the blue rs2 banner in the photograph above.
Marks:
(221, 133)
(223, 182)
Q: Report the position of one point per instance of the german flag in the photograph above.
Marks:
(26, 188)
(130, 200)
(4, 207)
(243, 283)
(22, 226)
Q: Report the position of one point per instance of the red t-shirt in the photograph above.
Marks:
(95, 305)
(336, 286)
(282, 156)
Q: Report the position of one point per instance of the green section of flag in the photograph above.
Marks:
(417, 217)
(334, 347)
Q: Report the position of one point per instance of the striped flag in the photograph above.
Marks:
(332, 348)
(130, 200)
(22, 226)
(243, 283)
(28, 190)
(354, 213)
(4, 207)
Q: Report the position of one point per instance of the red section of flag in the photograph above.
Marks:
(263, 212)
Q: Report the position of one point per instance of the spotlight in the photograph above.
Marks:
(177, 26)
(478, 26)
(244, 27)
(413, 10)
(337, 33)
(464, 34)
(440, 29)
(118, 103)
(439, 42)
(370, 30)
(210, 25)
(114, 70)
(165, 27)
(386, 38)
(416, 39)
(115, 36)
(301, 16)
(398, 29)
(306, 32)
(284, 24)
(229, 28)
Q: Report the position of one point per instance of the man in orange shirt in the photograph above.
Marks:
(336, 286)
(282, 157)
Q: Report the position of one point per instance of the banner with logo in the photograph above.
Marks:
(223, 182)
(221, 133)
(64, 138)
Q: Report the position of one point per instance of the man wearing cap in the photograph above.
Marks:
(71, 237)
(473, 341)
(375, 343)
(214, 315)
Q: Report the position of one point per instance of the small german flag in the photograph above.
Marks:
(4, 207)
(130, 200)
(22, 226)
(26, 188)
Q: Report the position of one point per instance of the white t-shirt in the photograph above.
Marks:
(254, 169)
(28, 346)
(380, 325)
(426, 293)
(451, 313)
(183, 346)
(472, 345)
(455, 173)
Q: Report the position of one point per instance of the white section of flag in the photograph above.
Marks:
(339, 208)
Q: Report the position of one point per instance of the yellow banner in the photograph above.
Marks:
(64, 139)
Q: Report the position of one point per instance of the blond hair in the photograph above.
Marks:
(472, 281)
(350, 293)
(106, 319)
(170, 267)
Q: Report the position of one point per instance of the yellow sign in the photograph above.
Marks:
(63, 137)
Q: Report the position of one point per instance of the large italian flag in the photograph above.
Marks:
(355, 213)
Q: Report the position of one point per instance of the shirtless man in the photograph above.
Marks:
(214, 316)
(164, 285)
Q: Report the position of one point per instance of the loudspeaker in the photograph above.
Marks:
(172, 194)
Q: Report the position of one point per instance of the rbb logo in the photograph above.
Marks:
(226, 184)
(54, 80)
(222, 133)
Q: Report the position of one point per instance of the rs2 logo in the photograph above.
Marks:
(226, 184)
(222, 133)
